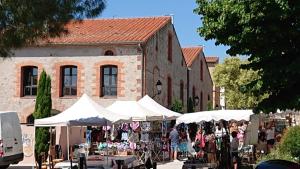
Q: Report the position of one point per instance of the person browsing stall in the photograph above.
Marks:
(174, 137)
(234, 145)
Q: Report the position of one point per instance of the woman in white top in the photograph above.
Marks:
(270, 137)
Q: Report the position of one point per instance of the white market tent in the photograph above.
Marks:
(134, 110)
(216, 115)
(151, 104)
(85, 112)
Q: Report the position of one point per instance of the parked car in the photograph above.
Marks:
(277, 164)
(11, 146)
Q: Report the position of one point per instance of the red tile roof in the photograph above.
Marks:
(212, 59)
(107, 31)
(191, 53)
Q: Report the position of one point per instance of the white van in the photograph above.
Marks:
(11, 146)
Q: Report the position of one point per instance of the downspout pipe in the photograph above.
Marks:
(141, 47)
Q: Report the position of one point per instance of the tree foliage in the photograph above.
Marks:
(288, 148)
(291, 142)
(24, 22)
(268, 32)
(177, 106)
(230, 76)
(43, 106)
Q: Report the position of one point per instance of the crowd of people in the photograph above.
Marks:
(267, 137)
(210, 142)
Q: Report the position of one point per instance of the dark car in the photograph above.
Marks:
(277, 164)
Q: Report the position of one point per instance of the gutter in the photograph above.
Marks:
(141, 47)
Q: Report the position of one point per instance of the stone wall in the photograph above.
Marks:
(205, 86)
(88, 60)
(216, 89)
(158, 67)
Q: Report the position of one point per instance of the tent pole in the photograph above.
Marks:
(68, 142)
(34, 164)
(106, 142)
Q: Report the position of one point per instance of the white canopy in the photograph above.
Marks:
(216, 115)
(151, 104)
(85, 112)
(136, 111)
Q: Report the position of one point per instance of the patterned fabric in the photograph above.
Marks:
(135, 126)
(146, 126)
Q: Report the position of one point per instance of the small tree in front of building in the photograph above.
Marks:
(210, 106)
(177, 106)
(43, 106)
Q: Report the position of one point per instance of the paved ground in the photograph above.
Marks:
(170, 165)
(167, 165)
(19, 167)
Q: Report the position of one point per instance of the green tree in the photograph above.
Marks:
(230, 76)
(43, 106)
(177, 106)
(291, 142)
(268, 32)
(210, 106)
(25, 22)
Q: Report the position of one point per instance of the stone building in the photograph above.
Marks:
(108, 59)
(199, 79)
(212, 61)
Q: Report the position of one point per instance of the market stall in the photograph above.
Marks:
(152, 126)
(85, 112)
(213, 134)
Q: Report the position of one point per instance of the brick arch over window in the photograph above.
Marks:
(109, 53)
(120, 77)
(57, 77)
(18, 76)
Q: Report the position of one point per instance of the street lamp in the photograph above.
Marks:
(158, 88)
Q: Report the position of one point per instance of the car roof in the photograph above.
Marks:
(278, 164)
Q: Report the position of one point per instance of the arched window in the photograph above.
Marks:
(169, 91)
(69, 80)
(29, 80)
(108, 53)
(208, 97)
(170, 47)
(109, 80)
(181, 92)
(201, 70)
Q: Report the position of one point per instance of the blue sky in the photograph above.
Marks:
(185, 21)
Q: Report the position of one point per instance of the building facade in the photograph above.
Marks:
(212, 61)
(200, 82)
(108, 59)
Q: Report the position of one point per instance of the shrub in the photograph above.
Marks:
(291, 141)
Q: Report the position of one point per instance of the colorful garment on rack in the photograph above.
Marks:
(146, 126)
(145, 137)
(135, 126)
(124, 136)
